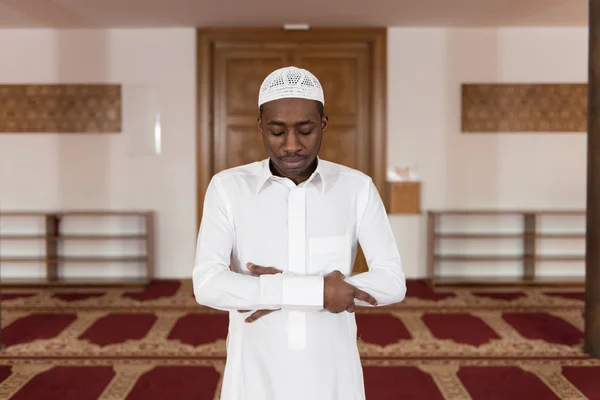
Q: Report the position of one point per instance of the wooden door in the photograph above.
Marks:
(343, 71)
(239, 72)
(237, 68)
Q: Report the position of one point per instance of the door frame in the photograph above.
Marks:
(208, 38)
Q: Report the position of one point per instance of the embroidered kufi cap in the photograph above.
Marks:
(290, 82)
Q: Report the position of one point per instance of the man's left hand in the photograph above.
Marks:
(259, 270)
(257, 314)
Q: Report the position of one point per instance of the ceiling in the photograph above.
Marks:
(270, 13)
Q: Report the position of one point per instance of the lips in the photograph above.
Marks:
(292, 162)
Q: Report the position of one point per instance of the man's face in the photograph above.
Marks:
(292, 130)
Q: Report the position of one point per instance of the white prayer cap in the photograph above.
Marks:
(290, 82)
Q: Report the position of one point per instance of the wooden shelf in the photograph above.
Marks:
(479, 235)
(99, 237)
(507, 258)
(509, 235)
(507, 281)
(75, 213)
(23, 237)
(560, 258)
(473, 258)
(561, 236)
(23, 259)
(477, 281)
(540, 212)
(560, 280)
(99, 282)
(73, 259)
(55, 258)
(72, 237)
(529, 236)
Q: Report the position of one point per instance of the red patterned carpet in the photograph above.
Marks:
(157, 343)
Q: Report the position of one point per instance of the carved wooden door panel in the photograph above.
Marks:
(343, 73)
(343, 70)
(238, 74)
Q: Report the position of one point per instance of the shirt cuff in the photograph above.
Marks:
(302, 293)
(270, 291)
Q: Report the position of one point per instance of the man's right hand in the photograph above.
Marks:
(338, 295)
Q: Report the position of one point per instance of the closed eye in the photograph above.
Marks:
(277, 133)
(305, 133)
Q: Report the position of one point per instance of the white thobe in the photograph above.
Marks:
(301, 351)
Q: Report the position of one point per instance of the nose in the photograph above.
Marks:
(291, 144)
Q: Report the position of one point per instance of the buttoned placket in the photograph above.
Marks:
(296, 253)
(297, 260)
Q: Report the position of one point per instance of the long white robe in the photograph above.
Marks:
(301, 351)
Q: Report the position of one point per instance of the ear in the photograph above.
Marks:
(324, 122)
(260, 123)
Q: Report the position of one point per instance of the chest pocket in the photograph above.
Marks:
(330, 253)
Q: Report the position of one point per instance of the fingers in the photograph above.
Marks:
(364, 296)
(336, 274)
(351, 308)
(259, 270)
(258, 314)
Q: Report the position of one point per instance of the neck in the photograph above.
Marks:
(297, 179)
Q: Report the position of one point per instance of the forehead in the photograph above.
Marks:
(291, 109)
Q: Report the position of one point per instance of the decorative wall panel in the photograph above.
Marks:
(60, 108)
(524, 107)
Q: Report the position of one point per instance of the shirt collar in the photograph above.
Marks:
(317, 178)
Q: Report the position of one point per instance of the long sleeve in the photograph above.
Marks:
(216, 286)
(385, 280)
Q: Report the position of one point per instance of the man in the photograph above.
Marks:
(276, 247)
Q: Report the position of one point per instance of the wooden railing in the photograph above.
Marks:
(528, 234)
(48, 231)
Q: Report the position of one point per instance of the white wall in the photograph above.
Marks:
(426, 67)
(506, 171)
(116, 171)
